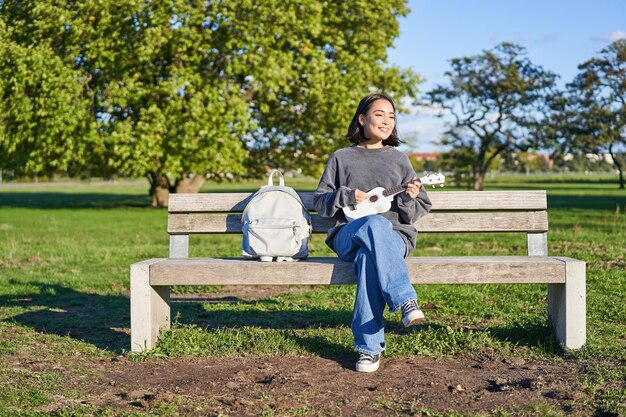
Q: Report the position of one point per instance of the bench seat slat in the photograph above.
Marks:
(533, 221)
(313, 271)
(442, 200)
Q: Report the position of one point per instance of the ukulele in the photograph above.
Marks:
(379, 199)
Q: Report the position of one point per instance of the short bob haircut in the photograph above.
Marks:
(356, 131)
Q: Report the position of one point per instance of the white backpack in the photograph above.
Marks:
(276, 225)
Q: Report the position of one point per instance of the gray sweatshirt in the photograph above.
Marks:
(354, 168)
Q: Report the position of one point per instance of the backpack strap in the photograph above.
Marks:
(281, 179)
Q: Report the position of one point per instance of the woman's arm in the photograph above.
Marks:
(411, 209)
(411, 206)
(330, 197)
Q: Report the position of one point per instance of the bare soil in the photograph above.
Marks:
(251, 385)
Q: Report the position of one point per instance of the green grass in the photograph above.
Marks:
(65, 252)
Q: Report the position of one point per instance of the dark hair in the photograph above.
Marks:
(356, 131)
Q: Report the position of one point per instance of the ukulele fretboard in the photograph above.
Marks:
(393, 190)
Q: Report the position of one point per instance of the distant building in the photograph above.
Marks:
(424, 156)
(606, 157)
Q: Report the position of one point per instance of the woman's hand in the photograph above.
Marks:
(413, 188)
(360, 195)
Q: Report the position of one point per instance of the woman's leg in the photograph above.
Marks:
(377, 255)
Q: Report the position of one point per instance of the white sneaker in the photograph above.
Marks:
(367, 362)
(411, 313)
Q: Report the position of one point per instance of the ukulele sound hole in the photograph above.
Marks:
(374, 198)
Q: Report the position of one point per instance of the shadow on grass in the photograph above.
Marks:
(266, 318)
(595, 202)
(533, 332)
(529, 333)
(56, 200)
(101, 320)
(104, 320)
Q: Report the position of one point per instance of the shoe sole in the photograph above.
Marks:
(368, 368)
(413, 318)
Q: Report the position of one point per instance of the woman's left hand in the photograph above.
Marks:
(413, 188)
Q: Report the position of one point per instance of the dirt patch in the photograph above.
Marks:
(250, 385)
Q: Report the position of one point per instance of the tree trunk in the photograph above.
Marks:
(161, 187)
(479, 180)
(190, 183)
(619, 167)
(159, 190)
(620, 170)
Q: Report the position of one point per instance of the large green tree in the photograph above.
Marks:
(178, 90)
(595, 108)
(494, 99)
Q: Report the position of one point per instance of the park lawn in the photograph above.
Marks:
(64, 282)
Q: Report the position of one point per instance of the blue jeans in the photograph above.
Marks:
(377, 255)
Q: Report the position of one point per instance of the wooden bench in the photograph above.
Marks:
(452, 212)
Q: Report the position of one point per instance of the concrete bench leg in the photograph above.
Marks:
(149, 307)
(567, 307)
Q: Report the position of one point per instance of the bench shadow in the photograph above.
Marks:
(191, 312)
(536, 333)
(104, 320)
(530, 333)
(100, 320)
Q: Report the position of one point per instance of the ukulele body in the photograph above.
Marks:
(375, 203)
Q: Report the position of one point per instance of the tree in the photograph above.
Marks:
(183, 89)
(44, 113)
(459, 161)
(494, 98)
(595, 112)
(321, 58)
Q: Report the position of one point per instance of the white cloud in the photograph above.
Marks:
(611, 36)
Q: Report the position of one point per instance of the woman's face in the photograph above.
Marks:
(379, 120)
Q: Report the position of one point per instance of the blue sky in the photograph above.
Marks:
(557, 34)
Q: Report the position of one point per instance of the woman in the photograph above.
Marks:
(378, 244)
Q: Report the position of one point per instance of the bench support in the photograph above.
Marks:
(567, 307)
(179, 246)
(537, 244)
(149, 307)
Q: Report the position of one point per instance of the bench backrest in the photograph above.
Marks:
(452, 212)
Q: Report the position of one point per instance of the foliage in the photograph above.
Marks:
(494, 99)
(525, 162)
(330, 54)
(592, 116)
(459, 162)
(177, 88)
(45, 123)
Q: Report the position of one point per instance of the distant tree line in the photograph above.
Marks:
(178, 91)
(459, 170)
(502, 104)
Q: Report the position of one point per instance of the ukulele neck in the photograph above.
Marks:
(393, 190)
